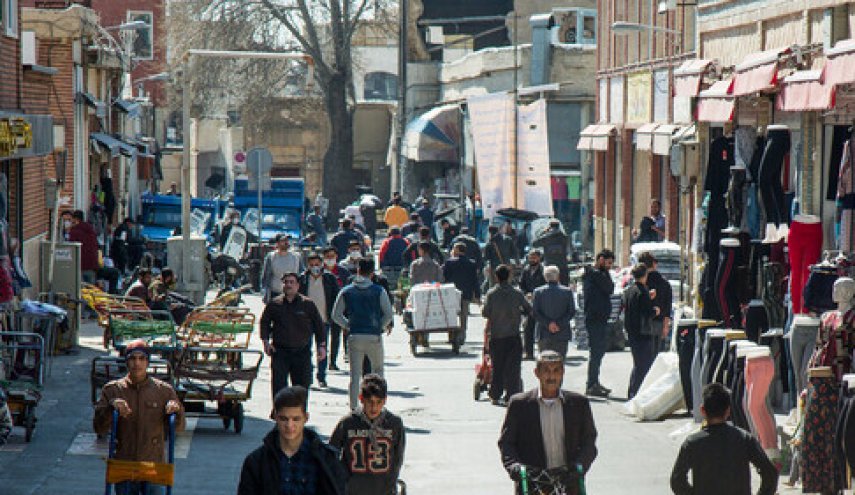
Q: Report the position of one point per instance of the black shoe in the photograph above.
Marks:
(333, 367)
(597, 391)
(528, 357)
(608, 390)
(322, 383)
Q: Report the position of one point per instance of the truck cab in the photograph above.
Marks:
(161, 216)
(281, 207)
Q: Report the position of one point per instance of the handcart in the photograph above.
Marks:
(156, 328)
(435, 314)
(103, 304)
(214, 363)
(555, 481)
(23, 365)
(119, 471)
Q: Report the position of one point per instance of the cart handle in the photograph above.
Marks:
(112, 450)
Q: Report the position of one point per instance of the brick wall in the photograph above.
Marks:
(36, 100)
(10, 72)
(60, 98)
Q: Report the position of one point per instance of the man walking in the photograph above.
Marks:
(315, 221)
(554, 308)
(411, 253)
(83, 232)
(549, 428)
(473, 250)
(425, 213)
(597, 286)
(372, 441)
(276, 264)
(500, 250)
(461, 271)
(342, 276)
(292, 458)
(342, 239)
(287, 326)
(503, 309)
(425, 269)
(638, 323)
(660, 290)
(553, 243)
(363, 310)
(392, 251)
(396, 215)
(532, 278)
(322, 288)
(719, 455)
(143, 403)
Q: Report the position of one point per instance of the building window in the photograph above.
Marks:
(9, 14)
(143, 45)
(575, 27)
(381, 86)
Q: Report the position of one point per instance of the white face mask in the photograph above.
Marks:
(66, 224)
(354, 254)
(330, 262)
(316, 270)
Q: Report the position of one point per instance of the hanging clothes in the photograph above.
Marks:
(834, 342)
(716, 183)
(846, 199)
(109, 198)
(818, 461)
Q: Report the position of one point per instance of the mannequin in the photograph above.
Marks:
(735, 380)
(724, 282)
(716, 184)
(805, 244)
(835, 330)
(771, 189)
(802, 342)
(818, 461)
(844, 445)
(759, 373)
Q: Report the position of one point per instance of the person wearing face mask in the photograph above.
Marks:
(322, 289)
(354, 253)
(532, 278)
(277, 263)
(231, 219)
(65, 224)
(342, 239)
(342, 277)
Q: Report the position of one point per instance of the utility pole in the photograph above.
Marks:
(398, 174)
(516, 164)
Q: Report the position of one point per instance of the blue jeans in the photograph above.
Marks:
(138, 488)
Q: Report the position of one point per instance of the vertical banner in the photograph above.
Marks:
(491, 117)
(534, 191)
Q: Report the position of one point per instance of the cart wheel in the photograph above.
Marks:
(476, 390)
(29, 424)
(238, 417)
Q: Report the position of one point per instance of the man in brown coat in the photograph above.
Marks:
(143, 403)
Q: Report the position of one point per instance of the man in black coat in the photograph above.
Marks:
(461, 271)
(597, 288)
(553, 243)
(501, 249)
(639, 312)
(292, 449)
(549, 428)
(473, 250)
(532, 278)
(322, 288)
(663, 298)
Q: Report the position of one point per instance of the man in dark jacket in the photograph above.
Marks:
(412, 254)
(549, 428)
(341, 240)
(553, 243)
(554, 307)
(411, 228)
(638, 323)
(663, 296)
(84, 233)
(425, 213)
(392, 250)
(294, 451)
(449, 232)
(322, 288)
(532, 278)
(287, 326)
(503, 308)
(500, 250)
(473, 250)
(597, 287)
(719, 455)
(460, 271)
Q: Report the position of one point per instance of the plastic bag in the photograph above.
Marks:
(661, 393)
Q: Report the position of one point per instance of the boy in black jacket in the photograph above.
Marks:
(293, 451)
(372, 442)
(639, 311)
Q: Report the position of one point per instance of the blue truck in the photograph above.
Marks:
(161, 216)
(282, 206)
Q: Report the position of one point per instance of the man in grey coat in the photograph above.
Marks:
(425, 269)
(554, 308)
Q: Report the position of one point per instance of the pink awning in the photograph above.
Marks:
(759, 72)
(840, 66)
(687, 77)
(804, 91)
(716, 104)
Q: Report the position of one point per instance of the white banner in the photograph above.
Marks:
(492, 134)
(534, 190)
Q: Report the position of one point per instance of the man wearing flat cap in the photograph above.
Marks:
(143, 403)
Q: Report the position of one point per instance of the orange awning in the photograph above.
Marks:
(804, 91)
(758, 72)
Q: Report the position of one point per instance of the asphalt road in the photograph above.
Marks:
(451, 444)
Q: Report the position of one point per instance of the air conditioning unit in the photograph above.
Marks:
(434, 35)
(666, 5)
(566, 27)
(29, 48)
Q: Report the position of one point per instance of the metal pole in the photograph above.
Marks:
(515, 169)
(397, 178)
(185, 176)
(260, 209)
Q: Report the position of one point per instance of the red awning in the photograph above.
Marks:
(840, 66)
(716, 104)
(804, 91)
(759, 72)
(687, 77)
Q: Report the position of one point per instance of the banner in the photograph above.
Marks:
(534, 191)
(492, 135)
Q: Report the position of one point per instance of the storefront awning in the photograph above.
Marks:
(758, 72)
(127, 106)
(684, 134)
(114, 145)
(840, 66)
(644, 137)
(434, 135)
(88, 99)
(804, 91)
(716, 104)
(687, 77)
(595, 137)
(662, 137)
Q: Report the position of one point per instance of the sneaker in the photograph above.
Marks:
(608, 390)
(597, 391)
(322, 384)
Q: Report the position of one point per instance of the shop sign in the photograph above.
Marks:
(638, 95)
(15, 135)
